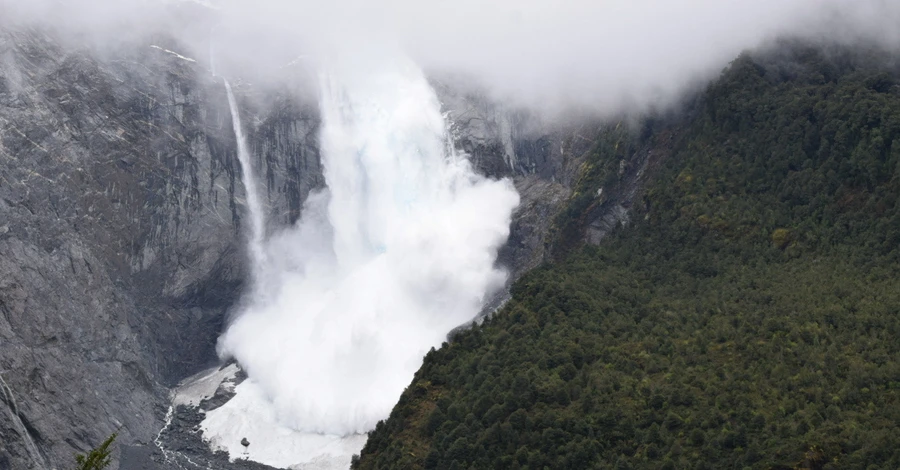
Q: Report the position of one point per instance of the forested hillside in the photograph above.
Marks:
(749, 317)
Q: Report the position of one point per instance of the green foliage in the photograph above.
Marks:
(747, 319)
(602, 172)
(96, 459)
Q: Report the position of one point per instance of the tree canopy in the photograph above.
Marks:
(98, 458)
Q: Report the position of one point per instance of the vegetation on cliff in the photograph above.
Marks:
(98, 458)
(748, 317)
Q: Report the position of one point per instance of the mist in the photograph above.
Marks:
(398, 250)
(606, 57)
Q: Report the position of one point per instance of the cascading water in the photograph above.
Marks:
(254, 205)
(398, 250)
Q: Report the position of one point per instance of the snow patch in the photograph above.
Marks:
(204, 385)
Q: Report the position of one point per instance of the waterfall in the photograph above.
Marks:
(397, 250)
(254, 205)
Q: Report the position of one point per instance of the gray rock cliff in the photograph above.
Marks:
(121, 243)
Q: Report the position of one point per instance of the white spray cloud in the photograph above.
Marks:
(605, 55)
(397, 251)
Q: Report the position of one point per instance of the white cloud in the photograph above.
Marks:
(603, 54)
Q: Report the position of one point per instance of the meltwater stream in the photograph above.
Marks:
(394, 253)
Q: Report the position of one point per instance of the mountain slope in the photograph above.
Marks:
(748, 318)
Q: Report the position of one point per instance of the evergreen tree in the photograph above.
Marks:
(96, 459)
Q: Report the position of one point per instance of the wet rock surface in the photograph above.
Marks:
(184, 447)
(180, 444)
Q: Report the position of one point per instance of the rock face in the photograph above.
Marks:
(121, 225)
(121, 245)
(542, 158)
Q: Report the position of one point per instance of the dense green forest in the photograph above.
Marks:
(749, 317)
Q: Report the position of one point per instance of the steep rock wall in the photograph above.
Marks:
(121, 248)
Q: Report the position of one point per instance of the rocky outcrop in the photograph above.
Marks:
(542, 158)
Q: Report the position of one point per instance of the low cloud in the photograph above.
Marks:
(606, 56)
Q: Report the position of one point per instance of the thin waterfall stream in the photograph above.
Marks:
(255, 209)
